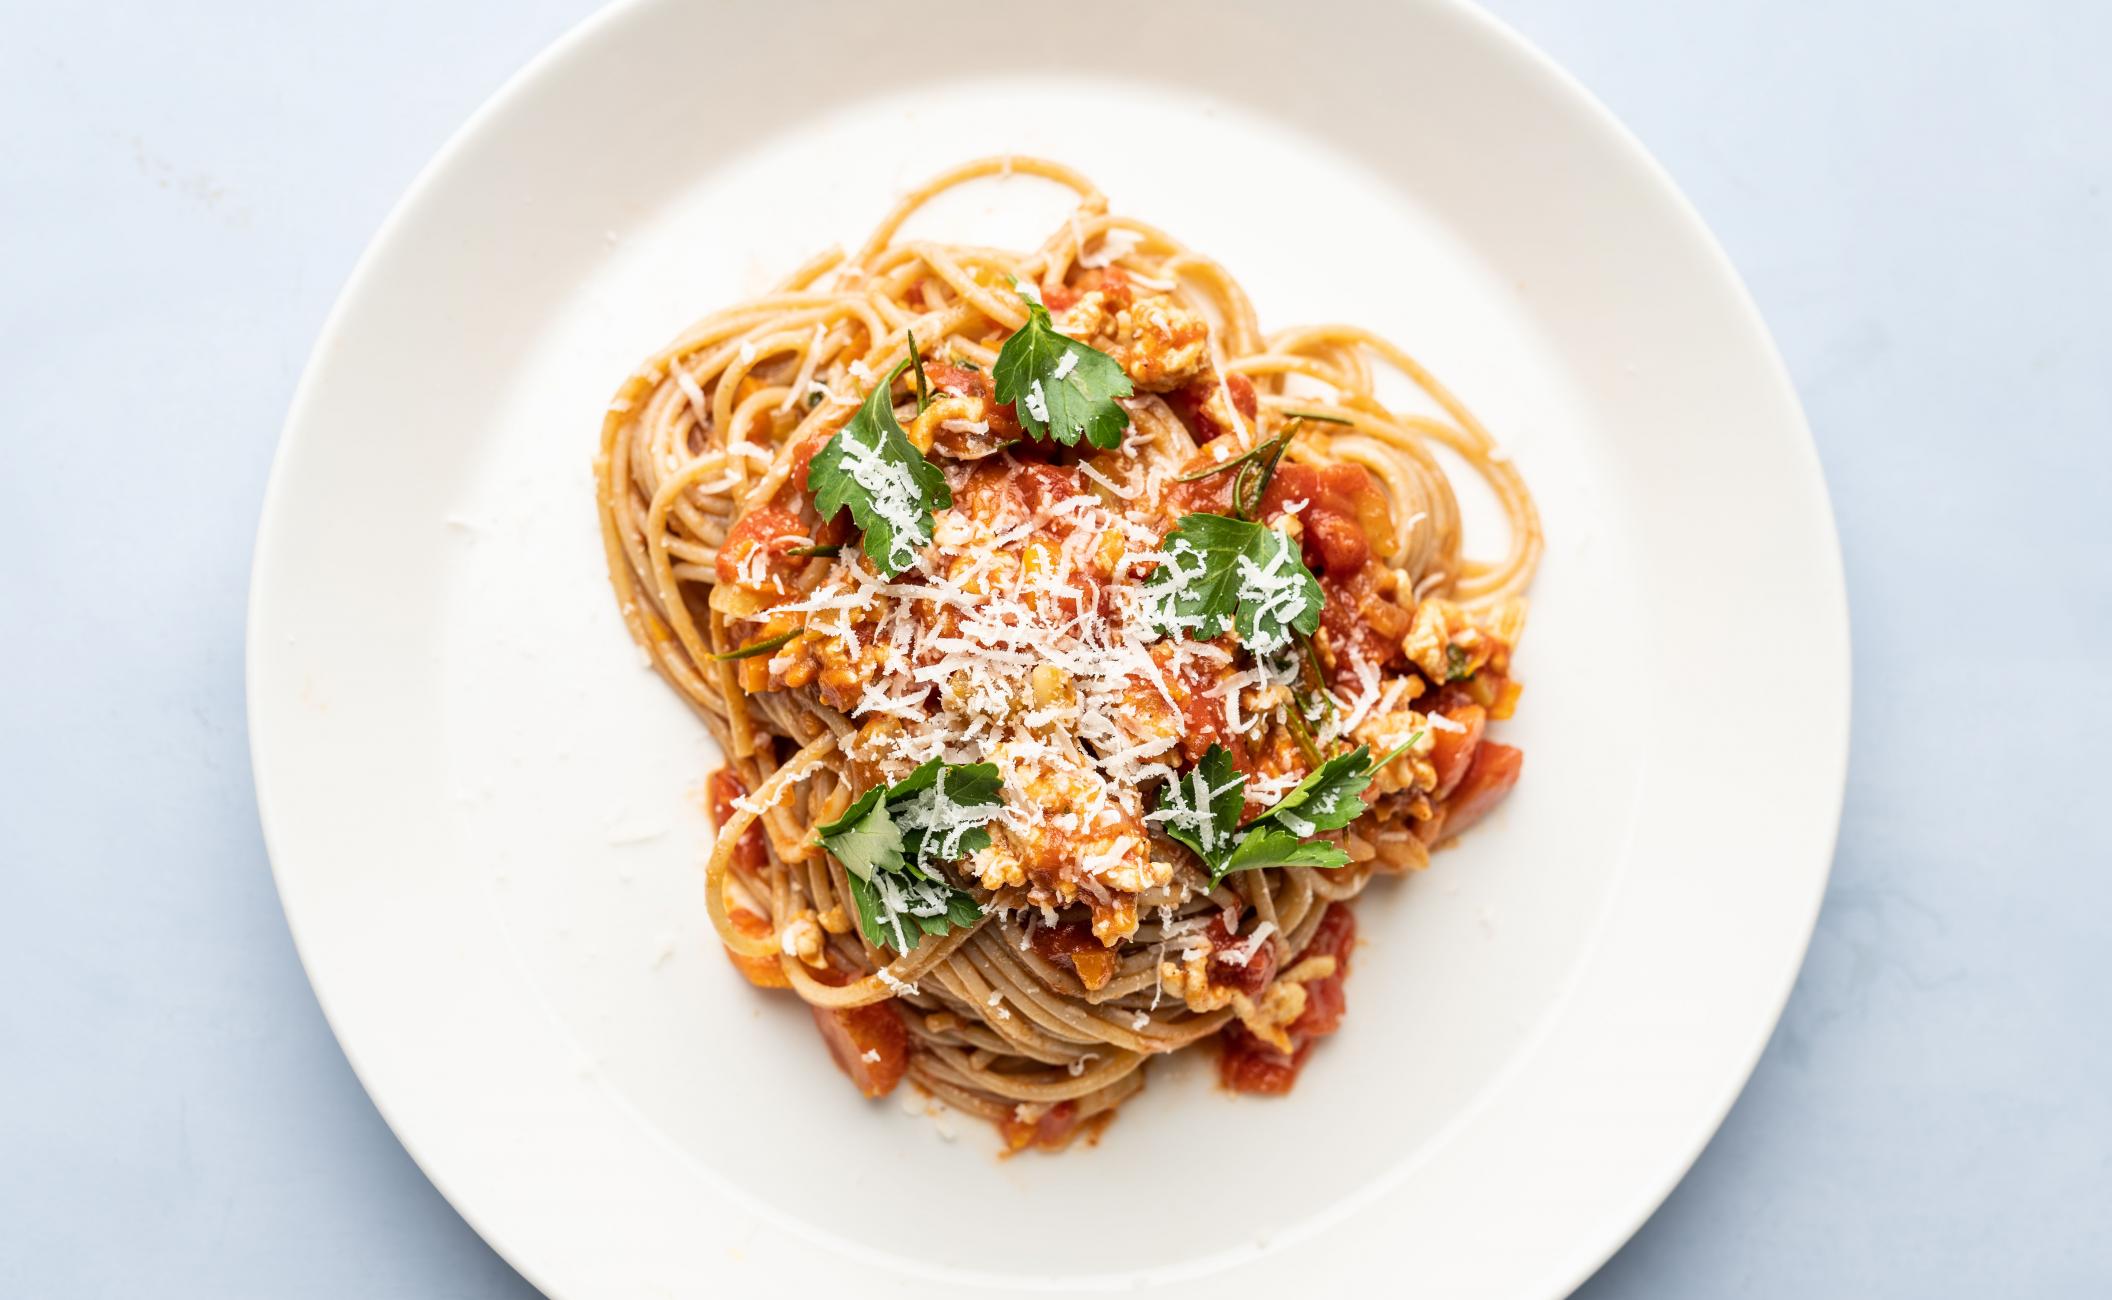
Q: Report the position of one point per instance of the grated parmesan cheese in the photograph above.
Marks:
(899, 987)
(1115, 244)
(894, 494)
(688, 384)
(1244, 952)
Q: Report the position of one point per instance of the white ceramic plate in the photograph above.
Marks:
(484, 816)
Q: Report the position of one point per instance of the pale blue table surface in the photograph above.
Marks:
(1916, 193)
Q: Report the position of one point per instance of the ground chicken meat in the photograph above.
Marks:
(1161, 344)
(1386, 732)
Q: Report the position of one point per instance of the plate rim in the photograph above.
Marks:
(1797, 437)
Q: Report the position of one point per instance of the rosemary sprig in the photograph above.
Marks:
(764, 646)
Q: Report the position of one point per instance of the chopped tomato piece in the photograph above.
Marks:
(1325, 1002)
(1250, 978)
(803, 458)
(1507, 692)
(1490, 777)
(750, 854)
(869, 1044)
(1209, 496)
(771, 529)
(764, 972)
(1335, 541)
(1073, 944)
(723, 786)
(753, 852)
(1201, 407)
(1452, 752)
(1361, 623)
(1335, 936)
(1247, 1064)
(1115, 286)
(1345, 493)
(1000, 489)
(1203, 714)
(1051, 1130)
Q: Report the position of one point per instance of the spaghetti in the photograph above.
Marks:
(1103, 609)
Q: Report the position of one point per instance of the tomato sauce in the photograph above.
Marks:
(764, 972)
(868, 1043)
(1452, 752)
(752, 853)
(1041, 486)
(1112, 282)
(1073, 944)
(771, 529)
(1345, 514)
(1247, 1064)
(1361, 622)
(1345, 524)
(1204, 715)
(1249, 979)
(1489, 779)
(1192, 402)
(1003, 417)
(803, 458)
(1051, 1131)
(1005, 490)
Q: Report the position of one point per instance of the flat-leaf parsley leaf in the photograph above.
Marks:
(1216, 572)
(892, 839)
(871, 466)
(1267, 846)
(1200, 808)
(1328, 798)
(1062, 389)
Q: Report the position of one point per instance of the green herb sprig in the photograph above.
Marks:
(1217, 572)
(892, 840)
(762, 647)
(892, 491)
(1061, 388)
(916, 362)
(1201, 808)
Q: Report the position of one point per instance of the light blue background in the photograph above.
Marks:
(1916, 193)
